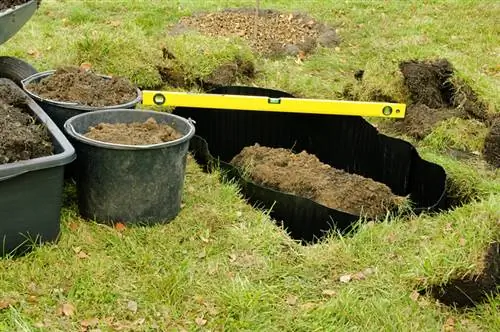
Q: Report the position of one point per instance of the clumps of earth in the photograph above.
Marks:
(474, 289)
(304, 175)
(82, 86)
(6, 4)
(270, 33)
(436, 95)
(135, 133)
(21, 136)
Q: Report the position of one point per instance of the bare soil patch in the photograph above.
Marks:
(304, 175)
(492, 144)
(473, 290)
(82, 86)
(136, 133)
(276, 33)
(22, 137)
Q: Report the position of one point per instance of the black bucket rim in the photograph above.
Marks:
(70, 130)
(76, 106)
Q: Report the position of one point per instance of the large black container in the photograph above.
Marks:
(31, 191)
(129, 183)
(349, 143)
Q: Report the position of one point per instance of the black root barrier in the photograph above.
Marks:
(349, 143)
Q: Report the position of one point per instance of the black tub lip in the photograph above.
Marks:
(67, 155)
(79, 137)
(76, 106)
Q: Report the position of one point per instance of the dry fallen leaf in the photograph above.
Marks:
(448, 228)
(82, 255)
(414, 295)
(345, 278)
(115, 23)
(358, 276)
(73, 226)
(91, 322)
(462, 241)
(200, 321)
(120, 227)
(4, 304)
(449, 325)
(329, 292)
(132, 306)
(67, 309)
(86, 66)
(292, 300)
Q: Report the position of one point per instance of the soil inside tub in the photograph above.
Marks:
(22, 137)
(6, 4)
(83, 86)
(136, 133)
(304, 175)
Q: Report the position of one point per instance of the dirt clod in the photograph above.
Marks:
(21, 136)
(473, 290)
(136, 133)
(277, 33)
(305, 175)
(492, 144)
(78, 85)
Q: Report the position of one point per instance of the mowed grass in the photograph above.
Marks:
(224, 265)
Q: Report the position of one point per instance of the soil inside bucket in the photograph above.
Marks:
(304, 175)
(22, 137)
(6, 4)
(82, 86)
(277, 33)
(136, 133)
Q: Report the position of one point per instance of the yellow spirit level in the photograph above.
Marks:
(290, 105)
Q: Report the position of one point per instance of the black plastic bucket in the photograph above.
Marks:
(129, 183)
(349, 143)
(60, 111)
(31, 191)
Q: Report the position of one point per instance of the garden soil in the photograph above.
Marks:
(277, 33)
(435, 96)
(21, 136)
(136, 133)
(305, 175)
(82, 86)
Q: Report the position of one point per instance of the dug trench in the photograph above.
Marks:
(22, 137)
(472, 290)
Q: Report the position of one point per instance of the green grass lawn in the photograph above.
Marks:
(224, 265)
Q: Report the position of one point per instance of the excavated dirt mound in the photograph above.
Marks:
(474, 290)
(21, 137)
(136, 133)
(435, 96)
(492, 144)
(82, 86)
(277, 33)
(305, 175)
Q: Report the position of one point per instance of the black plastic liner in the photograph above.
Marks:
(349, 143)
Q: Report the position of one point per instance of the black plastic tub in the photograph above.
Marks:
(133, 184)
(31, 191)
(60, 111)
(349, 143)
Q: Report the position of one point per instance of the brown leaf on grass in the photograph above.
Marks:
(345, 278)
(120, 227)
(462, 241)
(200, 321)
(67, 309)
(114, 23)
(82, 255)
(34, 53)
(449, 325)
(86, 66)
(32, 299)
(91, 322)
(329, 292)
(73, 226)
(358, 276)
(291, 300)
(448, 228)
(414, 296)
(5, 304)
(132, 306)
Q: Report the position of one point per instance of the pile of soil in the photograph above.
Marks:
(136, 133)
(277, 33)
(475, 289)
(6, 4)
(491, 150)
(305, 175)
(435, 96)
(82, 86)
(21, 136)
